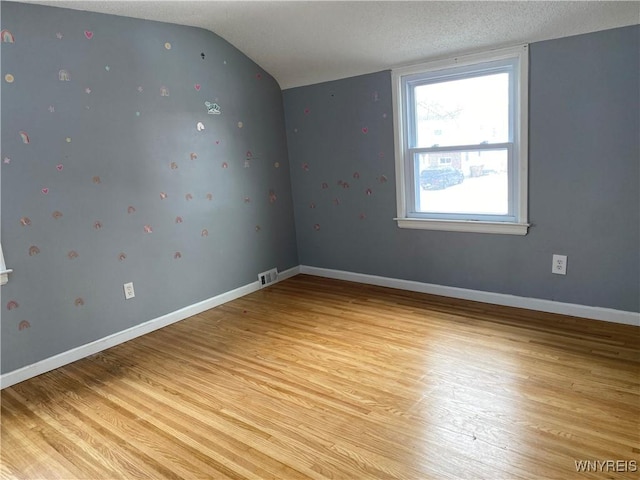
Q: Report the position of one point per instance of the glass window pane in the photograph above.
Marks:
(467, 111)
(463, 182)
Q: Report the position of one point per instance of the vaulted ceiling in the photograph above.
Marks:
(302, 43)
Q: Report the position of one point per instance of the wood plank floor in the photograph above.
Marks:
(318, 378)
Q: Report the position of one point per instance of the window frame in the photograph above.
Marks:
(518, 183)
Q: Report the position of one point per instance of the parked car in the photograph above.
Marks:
(438, 178)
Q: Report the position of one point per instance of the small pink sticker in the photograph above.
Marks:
(316, 227)
(365, 130)
(88, 34)
(204, 233)
(197, 87)
(148, 229)
(45, 190)
(59, 167)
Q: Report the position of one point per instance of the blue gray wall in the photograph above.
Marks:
(104, 154)
(583, 182)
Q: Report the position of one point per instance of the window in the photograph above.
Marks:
(461, 143)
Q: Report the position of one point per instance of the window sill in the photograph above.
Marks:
(4, 276)
(464, 226)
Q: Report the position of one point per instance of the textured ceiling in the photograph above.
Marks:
(302, 43)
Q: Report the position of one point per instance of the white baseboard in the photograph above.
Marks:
(584, 311)
(64, 358)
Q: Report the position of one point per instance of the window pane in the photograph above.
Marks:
(467, 182)
(468, 111)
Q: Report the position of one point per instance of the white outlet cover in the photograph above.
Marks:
(559, 265)
(128, 291)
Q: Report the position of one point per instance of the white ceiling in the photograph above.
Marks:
(302, 43)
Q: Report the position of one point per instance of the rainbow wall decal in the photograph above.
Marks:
(24, 137)
(23, 325)
(33, 250)
(63, 76)
(12, 305)
(7, 36)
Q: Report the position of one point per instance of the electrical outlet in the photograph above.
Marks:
(559, 265)
(128, 291)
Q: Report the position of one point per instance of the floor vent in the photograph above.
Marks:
(268, 277)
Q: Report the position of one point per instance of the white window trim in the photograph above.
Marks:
(4, 271)
(520, 139)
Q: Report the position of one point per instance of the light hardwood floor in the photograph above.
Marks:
(318, 378)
